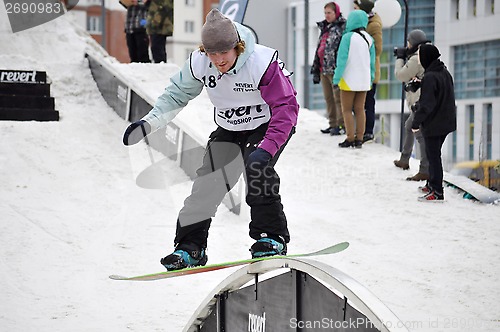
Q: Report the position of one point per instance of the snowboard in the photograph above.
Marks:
(218, 266)
(471, 189)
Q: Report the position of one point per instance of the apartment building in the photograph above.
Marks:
(88, 14)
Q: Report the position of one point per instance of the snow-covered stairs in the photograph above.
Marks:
(25, 96)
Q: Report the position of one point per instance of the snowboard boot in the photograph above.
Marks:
(267, 246)
(185, 255)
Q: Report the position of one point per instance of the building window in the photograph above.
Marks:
(190, 3)
(472, 4)
(455, 9)
(477, 70)
(470, 113)
(189, 26)
(94, 25)
(487, 130)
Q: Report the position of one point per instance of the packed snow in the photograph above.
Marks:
(71, 214)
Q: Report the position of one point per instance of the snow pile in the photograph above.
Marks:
(71, 215)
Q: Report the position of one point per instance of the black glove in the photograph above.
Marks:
(259, 159)
(136, 132)
(400, 52)
(316, 78)
(415, 106)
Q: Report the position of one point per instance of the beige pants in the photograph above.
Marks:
(332, 98)
(354, 101)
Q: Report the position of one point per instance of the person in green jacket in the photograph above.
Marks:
(374, 28)
(160, 26)
(354, 75)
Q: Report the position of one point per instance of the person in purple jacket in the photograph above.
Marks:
(255, 109)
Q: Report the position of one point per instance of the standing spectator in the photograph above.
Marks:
(354, 75)
(255, 122)
(374, 28)
(135, 30)
(407, 73)
(324, 63)
(160, 26)
(436, 116)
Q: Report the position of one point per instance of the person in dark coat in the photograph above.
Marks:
(435, 116)
(160, 26)
(135, 30)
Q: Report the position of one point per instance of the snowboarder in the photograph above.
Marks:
(256, 113)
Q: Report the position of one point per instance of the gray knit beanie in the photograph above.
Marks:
(218, 33)
(417, 37)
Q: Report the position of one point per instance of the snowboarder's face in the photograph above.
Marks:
(223, 60)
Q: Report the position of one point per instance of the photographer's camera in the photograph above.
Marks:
(400, 52)
(413, 85)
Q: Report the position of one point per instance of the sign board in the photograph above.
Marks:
(234, 9)
(22, 76)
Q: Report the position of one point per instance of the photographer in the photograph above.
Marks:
(410, 72)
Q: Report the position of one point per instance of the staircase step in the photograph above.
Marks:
(35, 89)
(30, 102)
(24, 114)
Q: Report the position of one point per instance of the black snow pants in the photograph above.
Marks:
(433, 145)
(223, 163)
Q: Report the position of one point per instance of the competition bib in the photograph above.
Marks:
(243, 117)
(235, 95)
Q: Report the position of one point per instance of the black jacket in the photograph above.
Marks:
(436, 113)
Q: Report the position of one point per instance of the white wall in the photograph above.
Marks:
(450, 32)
